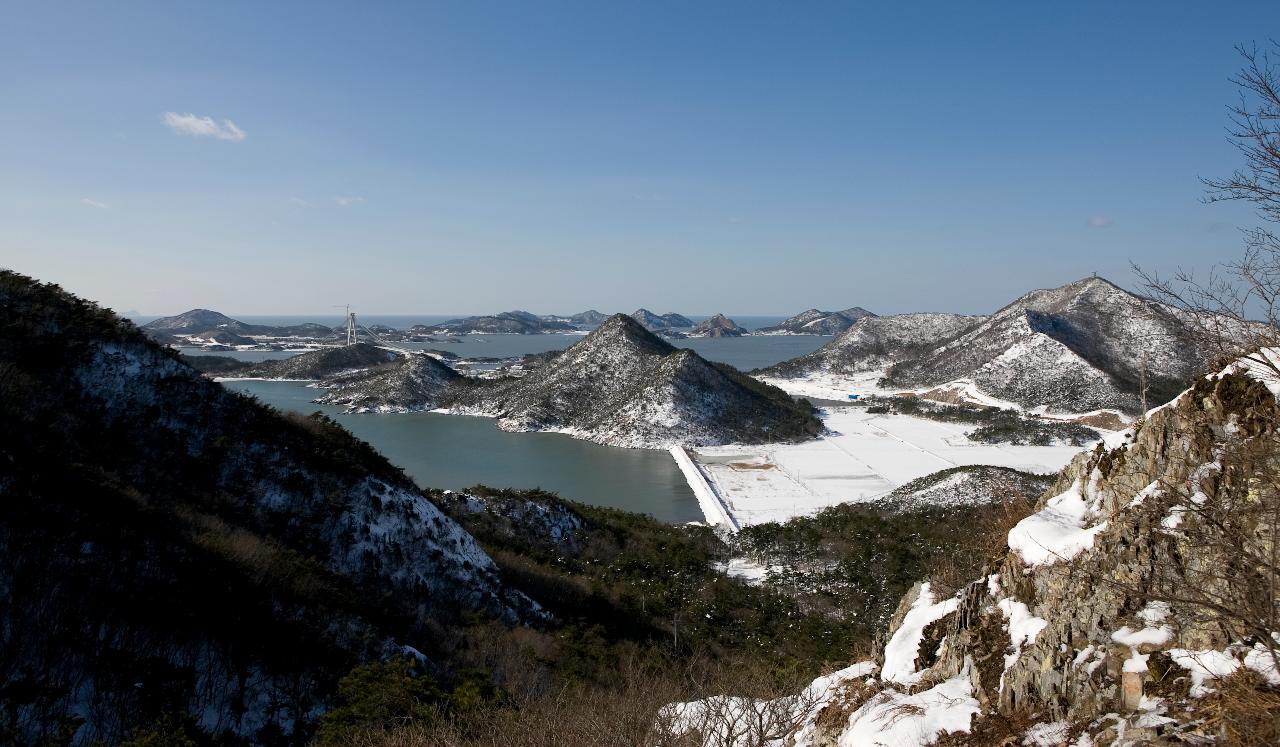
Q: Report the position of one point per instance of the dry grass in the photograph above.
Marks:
(1243, 710)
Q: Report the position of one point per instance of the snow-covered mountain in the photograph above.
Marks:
(622, 385)
(1084, 346)
(815, 322)
(410, 382)
(168, 546)
(874, 342)
(654, 322)
(718, 326)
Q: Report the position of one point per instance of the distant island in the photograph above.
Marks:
(215, 331)
(628, 388)
(815, 322)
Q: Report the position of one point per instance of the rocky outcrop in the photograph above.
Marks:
(1120, 602)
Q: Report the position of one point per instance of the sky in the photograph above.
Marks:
(740, 157)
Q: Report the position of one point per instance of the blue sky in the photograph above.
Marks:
(745, 157)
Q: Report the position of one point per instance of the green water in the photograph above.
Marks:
(457, 452)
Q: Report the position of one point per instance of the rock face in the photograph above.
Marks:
(507, 322)
(1077, 348)
(170, 547)
(815, 322)
(654, 322)
(623, 386)
(408, 383)
(718, 326)
(874, 342)
(1120, 600)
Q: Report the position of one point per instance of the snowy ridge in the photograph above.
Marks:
(874, 342)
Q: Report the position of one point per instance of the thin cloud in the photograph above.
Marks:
(299, 202)
(95, 203)
(348, 200)
(1099, 221)
(197, 126)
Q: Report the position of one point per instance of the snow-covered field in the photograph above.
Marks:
(862, 458)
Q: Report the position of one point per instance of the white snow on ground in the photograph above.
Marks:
(1057, 532)
(902, 649)
(862, 458)
(1207, 665)
(1051, 734)
(823, 385)
(745, 570)
(892, 719)
(1023, 628)
(1204, 666)
(1263, 365)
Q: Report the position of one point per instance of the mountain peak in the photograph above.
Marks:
(622, 327)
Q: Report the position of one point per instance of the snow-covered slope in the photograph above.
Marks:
(874, 342)
(623, 386)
